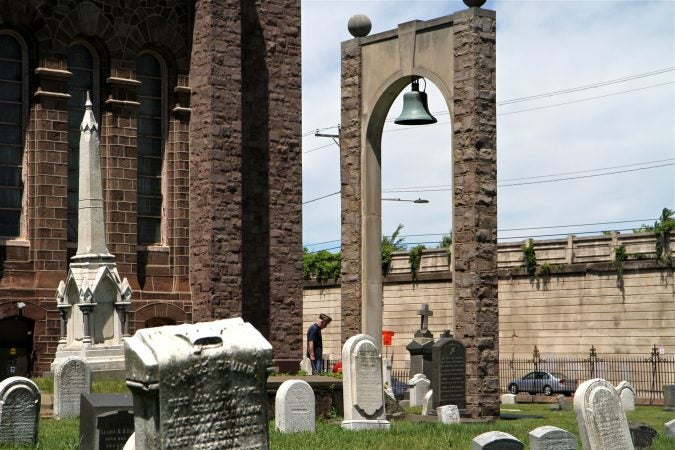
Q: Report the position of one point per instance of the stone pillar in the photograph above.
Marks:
(246, 169)
(350, 178)
(475, 207)
(63, 322)
(87, 309)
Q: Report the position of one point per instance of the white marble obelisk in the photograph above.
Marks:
(93, 301)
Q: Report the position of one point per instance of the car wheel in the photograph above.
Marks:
(548, 391)
(513, 388)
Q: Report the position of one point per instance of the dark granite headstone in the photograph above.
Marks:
(448, 374)
(641, 435)
(106, 420)
(420, 357)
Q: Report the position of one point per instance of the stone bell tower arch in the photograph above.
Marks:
(457, 53)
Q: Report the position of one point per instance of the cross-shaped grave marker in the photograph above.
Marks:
(425, 312)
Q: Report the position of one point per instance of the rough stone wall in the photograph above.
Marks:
(474, 218)
(350, 177)
(30, 268)
(246, 172)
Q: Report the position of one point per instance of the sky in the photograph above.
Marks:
(609, 144)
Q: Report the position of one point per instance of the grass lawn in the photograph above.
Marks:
(403, 435)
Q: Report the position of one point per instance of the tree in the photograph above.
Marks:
(389, 246)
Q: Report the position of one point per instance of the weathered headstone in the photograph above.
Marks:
(627, 393)
(363, 392)
(428, 404)
(448, 414)
(419, 386)
(421, 345)
(669, 397)
(669, 429)
(106, 421)
(508, 399)
(294, 407)
(561, 404)
(552, 438)
(448, 375)
(496, 440)
(199, 386)
(19, 411)
(602, 421)
(72, 378)
(642, 435)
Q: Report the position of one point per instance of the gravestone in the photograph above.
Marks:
(627, 393)
(19, 411)
(552, 438)
(428, 404)
(363, 392)
(496, 440)
(421, 346)
(114, 429)
(448, 414)
(508, 399)
(294, 407)
(561, 404)
(669, 429)
(419, 386)
(642, 435)
(669, 397)
(72, 378)
(106, 421)
(602, 421)
(199, 386)
(448, 374)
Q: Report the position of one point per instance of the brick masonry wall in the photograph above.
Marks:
(31, 267)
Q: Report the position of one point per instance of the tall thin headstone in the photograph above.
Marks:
(199, 386)
(19, 411)
(363, 390)
(72, 377)
(448, 376)
(627, 393)
(294, 407)
(602, 421)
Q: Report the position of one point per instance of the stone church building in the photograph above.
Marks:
(198, 103)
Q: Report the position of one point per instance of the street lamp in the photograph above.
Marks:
(419, 200)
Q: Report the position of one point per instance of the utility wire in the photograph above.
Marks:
(544, 227)
(319, 198)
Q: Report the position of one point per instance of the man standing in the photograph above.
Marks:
(315, 343)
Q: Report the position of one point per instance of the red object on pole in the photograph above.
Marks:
(387, 337)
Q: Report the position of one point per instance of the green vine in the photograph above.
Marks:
(545, 269)
(662, 229)
(446, 243)
(529, 257)
(620, 255)
(415, 259)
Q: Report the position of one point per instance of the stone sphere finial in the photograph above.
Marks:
(474, 3)
(359, 25)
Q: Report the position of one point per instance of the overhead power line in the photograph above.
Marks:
(543, 227)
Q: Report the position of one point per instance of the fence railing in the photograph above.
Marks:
(647, 374)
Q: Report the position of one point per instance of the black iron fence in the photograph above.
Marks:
(647, 374)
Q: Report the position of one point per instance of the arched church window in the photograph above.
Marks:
(83, 65)
(12, 103)
(151, 133)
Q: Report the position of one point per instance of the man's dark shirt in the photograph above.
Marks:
(314, 335)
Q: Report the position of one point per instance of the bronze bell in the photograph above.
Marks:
(415, 109)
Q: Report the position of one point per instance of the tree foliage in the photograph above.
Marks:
(390, 244)
(322, 265)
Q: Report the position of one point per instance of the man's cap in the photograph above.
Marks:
(325, 318)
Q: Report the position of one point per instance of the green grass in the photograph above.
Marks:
(46, 386)
(63, 434)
